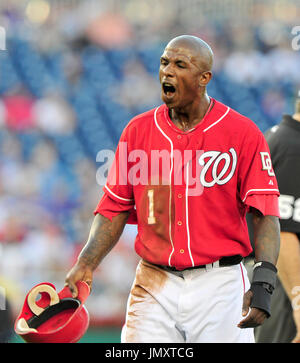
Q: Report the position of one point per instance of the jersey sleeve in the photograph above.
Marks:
(110, 208)
(257, 179)
(118, 192)
(118, 186)
(267, 204)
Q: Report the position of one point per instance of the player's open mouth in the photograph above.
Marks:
(169, 89)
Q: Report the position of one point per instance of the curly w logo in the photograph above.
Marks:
(221, 165)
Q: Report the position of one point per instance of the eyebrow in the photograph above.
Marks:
(176, 60)
(188, 59)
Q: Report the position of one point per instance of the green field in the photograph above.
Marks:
(93, 335)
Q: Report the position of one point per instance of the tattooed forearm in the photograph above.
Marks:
(104, 235)
(266, 237)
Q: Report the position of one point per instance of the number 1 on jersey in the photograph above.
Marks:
(151, 218)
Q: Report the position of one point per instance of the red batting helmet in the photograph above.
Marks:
(55, 317)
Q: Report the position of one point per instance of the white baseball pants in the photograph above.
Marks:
(193, 306)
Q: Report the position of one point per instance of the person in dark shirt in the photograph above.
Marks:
(284, 142)
(6, 320)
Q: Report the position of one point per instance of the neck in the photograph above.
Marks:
(296, 116)
(189, 116)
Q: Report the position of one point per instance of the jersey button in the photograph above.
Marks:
(179, 223)
(179, 137)
(181, 251)
(179, 195)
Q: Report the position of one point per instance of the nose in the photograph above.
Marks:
(167, 70)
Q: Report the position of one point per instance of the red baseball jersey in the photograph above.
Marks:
(190, 191)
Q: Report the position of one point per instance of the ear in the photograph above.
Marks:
(205, 78)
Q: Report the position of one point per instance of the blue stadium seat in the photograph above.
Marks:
(9, 78)
(54, 64)
(119, 57)
(150, 55)
(97, 67)
(29, 139)
(69, 148)
(31, 67)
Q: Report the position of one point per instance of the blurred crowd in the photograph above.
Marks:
(98, 69)
(46, 209)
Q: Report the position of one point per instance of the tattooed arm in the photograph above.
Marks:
(104, 235)
(266, 248)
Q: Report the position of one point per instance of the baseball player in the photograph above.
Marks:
(187, 172)
(284, 143)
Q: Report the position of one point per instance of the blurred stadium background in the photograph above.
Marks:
(73, 74)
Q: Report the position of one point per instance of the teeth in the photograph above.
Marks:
(168, 87)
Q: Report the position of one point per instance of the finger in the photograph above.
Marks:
(245, 311)
(89, 282)
(243, 323)
(246, 303)
(248, 322)
(72, 287)
(254, 319)
(73, 290)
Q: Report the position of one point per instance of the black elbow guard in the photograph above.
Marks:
(262, 286)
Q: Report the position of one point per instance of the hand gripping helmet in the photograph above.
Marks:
(55, 317)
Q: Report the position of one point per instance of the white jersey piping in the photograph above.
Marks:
(220, 119)
(170, 180)
(259, 190)
(115, 195)
(187, 213)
